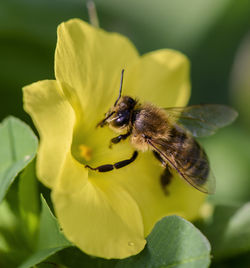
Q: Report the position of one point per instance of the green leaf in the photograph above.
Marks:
(19, 220)
(13, 245)
(50, 234)
(174, 242)
(229, 232)
(18, 147)
(29, 203)
(50, 238)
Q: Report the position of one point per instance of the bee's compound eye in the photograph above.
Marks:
(122, 119)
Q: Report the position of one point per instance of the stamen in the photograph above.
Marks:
(85, 152)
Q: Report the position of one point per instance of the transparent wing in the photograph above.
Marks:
(203, 120)
(205, 184)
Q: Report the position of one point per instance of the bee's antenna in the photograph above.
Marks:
(103, 122)
(120, 91)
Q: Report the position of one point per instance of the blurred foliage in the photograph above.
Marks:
(18, 147)
(214, 35)
(229, 153)
(207, 31)
(50, 238)
(229, 231)
(240, 81)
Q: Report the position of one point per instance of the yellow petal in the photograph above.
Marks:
(105, 214)
(142, 181)
(89, 62)
(160, 77)
(100, 218)
(54, 120)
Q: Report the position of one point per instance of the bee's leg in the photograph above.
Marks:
(165, 179)
(158, 157)
(117, 139)
(166, 176)
(109, 167)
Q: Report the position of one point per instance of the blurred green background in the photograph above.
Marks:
(214, 34)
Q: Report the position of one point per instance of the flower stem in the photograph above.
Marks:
(93, 18)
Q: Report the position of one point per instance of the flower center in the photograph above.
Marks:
(85, 152)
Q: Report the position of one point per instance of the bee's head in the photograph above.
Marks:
(119, 115)
(122, 113)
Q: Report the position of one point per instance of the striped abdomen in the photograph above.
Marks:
(188, 155)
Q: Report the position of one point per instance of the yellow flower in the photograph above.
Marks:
(105, 214)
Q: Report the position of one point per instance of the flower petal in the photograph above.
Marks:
(100, 218)
(105, 214)
(89, 61)
(142, 181)
(54, 119)
(160, 77)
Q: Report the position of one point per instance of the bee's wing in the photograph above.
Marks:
(205, 185)
(203, 120)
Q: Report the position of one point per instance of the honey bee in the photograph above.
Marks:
(169, 133)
